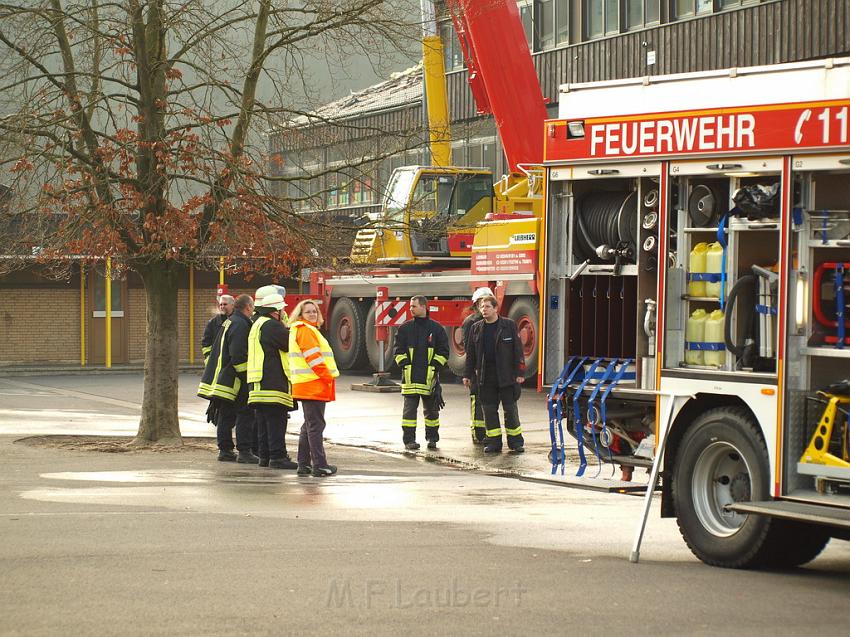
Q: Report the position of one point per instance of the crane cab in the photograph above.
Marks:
(428, 214)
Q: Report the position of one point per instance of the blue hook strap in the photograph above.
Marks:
(577, 421)
(558, 454)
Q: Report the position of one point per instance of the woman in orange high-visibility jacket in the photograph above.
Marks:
(312, 371)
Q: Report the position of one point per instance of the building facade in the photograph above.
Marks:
(338, 162)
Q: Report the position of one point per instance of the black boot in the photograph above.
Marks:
(246, 457)
(226, 456)
(282, 463)
(264, 462)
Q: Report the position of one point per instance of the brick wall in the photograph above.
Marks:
(47, 327)
(44, 328)
(205, 309)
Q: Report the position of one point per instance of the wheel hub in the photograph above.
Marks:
(721, 477)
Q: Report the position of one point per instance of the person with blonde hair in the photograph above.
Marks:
(313, 372)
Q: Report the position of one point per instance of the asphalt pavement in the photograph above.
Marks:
(139, 542)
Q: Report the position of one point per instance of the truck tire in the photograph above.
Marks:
(373, 347)
(525, 312)
(457, 354)
(347, 334)
(797, 543)
(722, 459)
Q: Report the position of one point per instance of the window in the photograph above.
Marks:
(333, 190)
(362, 190)
(116, 307)
(452, 53)
(603, 17)
(639, 13)
(685, 8)
(433, 193)
(344, 190)
(562, 21)
(729, 4)
(526, 14)
(544, 24)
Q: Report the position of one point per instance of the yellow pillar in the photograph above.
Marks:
(108, 283)
(82, 314)
(191, 314)
(221, 270)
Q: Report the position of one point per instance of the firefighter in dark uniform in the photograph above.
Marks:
(225, 309)
(225, 385)
(476, 415)
(270, 392)
(495, 368)
(421, 351)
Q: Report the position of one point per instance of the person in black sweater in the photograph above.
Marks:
(495, 368)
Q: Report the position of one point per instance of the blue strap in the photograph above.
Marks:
(553, 404)
(839, 304)
(797, 216)
(721, 239)
(591, 414)
(765, 309)
(704, 346)
(578, 425)
(713, 277)
(620, 375)
(556, 412)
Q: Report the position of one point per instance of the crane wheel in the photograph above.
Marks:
(525, 312)
(373, 347)
(347, 334)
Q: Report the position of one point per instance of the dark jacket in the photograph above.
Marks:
(210, 332)
(510, 361)
(421, 349)
(224, 374)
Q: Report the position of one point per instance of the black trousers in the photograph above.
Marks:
(271, 430)
(311, 446)
(239, 416)
(476, 418)
(409, 416)
(491, 396)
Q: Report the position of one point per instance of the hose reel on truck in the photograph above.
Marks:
(605, 226)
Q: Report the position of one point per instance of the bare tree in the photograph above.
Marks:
(134, 130)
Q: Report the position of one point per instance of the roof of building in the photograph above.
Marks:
(404, 87)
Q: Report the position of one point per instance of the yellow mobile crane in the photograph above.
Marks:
(430, 213)
(444, 230)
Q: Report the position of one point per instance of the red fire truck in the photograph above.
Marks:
(695, 298)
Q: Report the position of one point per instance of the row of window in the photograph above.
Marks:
(363, 185)
(548, 22)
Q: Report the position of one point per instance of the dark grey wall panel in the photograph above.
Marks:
(767, 33)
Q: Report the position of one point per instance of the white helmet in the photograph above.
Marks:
(271, 300)
(480, 293)
(266, 290)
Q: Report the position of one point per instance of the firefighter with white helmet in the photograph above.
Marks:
(270, 390)
(476, 416)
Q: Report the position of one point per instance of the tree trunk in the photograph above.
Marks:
(159, 422)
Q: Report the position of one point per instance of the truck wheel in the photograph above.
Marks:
(525, 312)
(347, 334)
(457, 353)
(797, 543)
(373, 347)
(721, 460)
